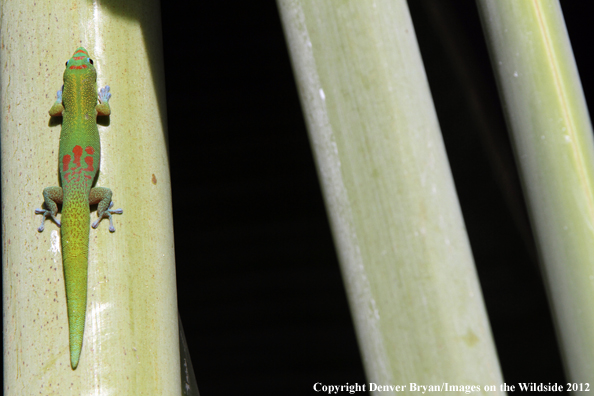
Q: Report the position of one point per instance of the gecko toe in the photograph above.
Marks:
(45, 214)
(107, 214)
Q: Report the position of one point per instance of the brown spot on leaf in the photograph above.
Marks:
(470, 338)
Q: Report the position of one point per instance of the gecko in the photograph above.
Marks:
(79, 104)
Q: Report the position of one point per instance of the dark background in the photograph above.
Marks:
(259, 286)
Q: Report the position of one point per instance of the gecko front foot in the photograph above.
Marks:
(107, 214)
(104, 94)
(45, 214)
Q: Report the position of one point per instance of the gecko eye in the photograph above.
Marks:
(67, 62)
(90, 60)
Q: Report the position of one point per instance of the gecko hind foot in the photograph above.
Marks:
(108, 214)
(45, 214)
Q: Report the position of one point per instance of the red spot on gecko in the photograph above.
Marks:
(89, 161)
(90, 150)
(66, 161)
(77, 150)
(78, 67)
(78, 57)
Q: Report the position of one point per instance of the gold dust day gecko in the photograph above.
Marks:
(79, 156)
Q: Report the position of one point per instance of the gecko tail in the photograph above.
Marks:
(75, 248)
(74, 356)
(75, 270)
(76, 293)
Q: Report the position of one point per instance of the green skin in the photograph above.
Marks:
(79, 156)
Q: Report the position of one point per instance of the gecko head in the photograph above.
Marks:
(80, 64)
